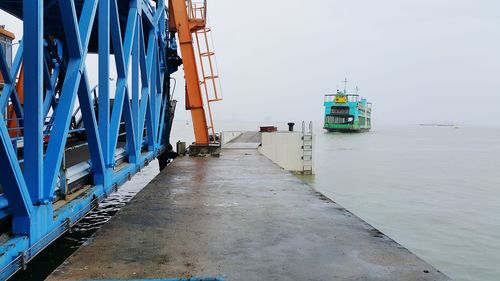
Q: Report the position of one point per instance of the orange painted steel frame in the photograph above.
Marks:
(181, 23)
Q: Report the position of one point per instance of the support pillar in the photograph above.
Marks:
(33, 105)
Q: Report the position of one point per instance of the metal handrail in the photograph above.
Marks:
(197, 10)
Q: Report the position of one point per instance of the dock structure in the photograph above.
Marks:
(239, 217)
(67, 140)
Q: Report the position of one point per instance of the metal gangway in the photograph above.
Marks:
(65, 144)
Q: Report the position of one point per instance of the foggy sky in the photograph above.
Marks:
(416, 60)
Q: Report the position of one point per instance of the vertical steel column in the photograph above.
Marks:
(33, 83)
(145, 59)
(104, 53)
(152, 94)
(135, 81)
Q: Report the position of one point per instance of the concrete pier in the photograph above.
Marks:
(240, 217)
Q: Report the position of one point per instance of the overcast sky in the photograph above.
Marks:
(416, 60)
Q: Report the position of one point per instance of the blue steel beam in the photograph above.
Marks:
(14, 186)
(87, 20)
(50, 93)
(71, 29)
(136, 85)
(33, 88)
(153, 93)
(61, 122)
(30, 194)
(146, 13)
(9, 90)
(150, 115)
(9, 76)
(75, 68)
(145, 113)
(143, 64)
(122, 50)
(130, 131)
(46, 70)
(159, 93)
(162, 119)
(104, 103)
(91, 131)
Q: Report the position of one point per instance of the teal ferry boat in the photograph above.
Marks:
(347, 112)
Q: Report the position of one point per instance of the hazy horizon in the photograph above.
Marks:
(417, 61)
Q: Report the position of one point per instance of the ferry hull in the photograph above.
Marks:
(354, 127)
(347, 130)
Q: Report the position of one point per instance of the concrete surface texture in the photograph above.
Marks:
(246, 140)
(227, 136)
(240, 217)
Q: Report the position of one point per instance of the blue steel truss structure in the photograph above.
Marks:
(120, 132)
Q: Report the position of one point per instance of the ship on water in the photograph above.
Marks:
(347, 112)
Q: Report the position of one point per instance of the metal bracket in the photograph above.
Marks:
(95, 203)
(68, 225)
(24, 260)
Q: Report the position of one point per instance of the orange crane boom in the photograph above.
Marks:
(186, 19)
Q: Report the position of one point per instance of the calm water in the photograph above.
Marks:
(435, 190)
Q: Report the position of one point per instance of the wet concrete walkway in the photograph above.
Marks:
(243, 218)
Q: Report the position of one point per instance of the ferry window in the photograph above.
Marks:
(340, 109)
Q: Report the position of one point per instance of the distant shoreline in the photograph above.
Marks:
(436, 125)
